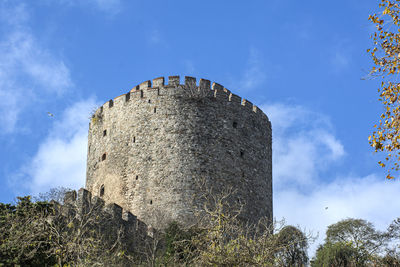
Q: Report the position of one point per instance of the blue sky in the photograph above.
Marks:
(302, 62)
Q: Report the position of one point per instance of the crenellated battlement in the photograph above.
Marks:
(158, 87)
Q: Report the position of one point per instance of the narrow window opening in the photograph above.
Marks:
(234, 124)
(155, 110)
(110, 103)
(151, 202)
(141, 93)
(104, 132)
(127, 97)
(134, 139)
(241, 153)
(102, 190)
(149, 101)
(137, 177)
(104, 156)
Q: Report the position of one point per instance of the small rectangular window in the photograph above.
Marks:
(104, 132)
(102, 190)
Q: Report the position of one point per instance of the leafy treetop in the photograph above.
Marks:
(386, 57)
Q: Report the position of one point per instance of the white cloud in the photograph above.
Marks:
(254, 74)
(27, 70)
(22, 56)
(304, 146)
(61, 157)
(370, 198)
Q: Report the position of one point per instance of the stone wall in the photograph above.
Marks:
(82, 217)
(82, 203)
(149, 149)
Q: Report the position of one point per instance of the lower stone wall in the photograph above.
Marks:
(111, 218)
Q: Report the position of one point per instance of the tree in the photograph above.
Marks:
(351, 242)
(394, 230)
(225, 239)
(359, 233)
(48, 234)
(22, 239)
(83, 232)
(386, 57)
(56, 194)
(293, 244)
(392, 258)
(339, 254)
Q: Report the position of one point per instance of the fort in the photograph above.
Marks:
(151, 150)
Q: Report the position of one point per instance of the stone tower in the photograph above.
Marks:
(149, 148)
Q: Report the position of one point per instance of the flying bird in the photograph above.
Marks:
(50, 114)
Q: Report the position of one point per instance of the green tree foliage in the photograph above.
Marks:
(355, 242)
(339, 254)
(178, 245)
(385, 54)
(47, 234)
(359, 233)
(50, 234)
(392, 259)
(226, 240)
(293, 245)
(23, 241)
(394, 230)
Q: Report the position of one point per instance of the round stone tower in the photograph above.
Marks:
(154, 149)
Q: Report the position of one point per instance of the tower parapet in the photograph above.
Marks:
(148, 150)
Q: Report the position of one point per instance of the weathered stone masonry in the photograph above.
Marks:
(149, 148)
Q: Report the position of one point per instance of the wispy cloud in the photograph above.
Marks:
(27, 70)
(110, 7)
(61, 156)
(189, 67)
(304, 147)
(340, 60)
(301, 29)
(154, 36)
(113, 6)
(340, 56)
(255, 73)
